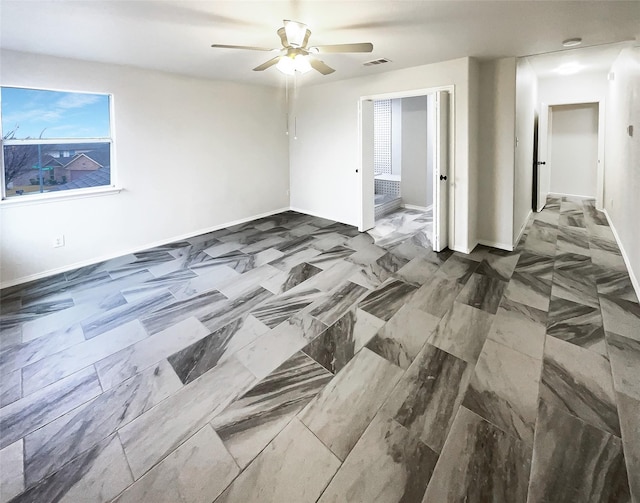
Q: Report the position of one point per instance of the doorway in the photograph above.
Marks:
(409, 165)
(569, 152)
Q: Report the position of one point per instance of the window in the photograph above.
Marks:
(54, 141)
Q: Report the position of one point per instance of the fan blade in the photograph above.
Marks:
(364, 47)
(267, 64)
(321, 66)
(245, 47)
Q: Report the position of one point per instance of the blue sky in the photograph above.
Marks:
(58, 114)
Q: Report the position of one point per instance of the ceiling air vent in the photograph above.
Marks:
(377, 62)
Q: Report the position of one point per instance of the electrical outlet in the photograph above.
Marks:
(58, 241)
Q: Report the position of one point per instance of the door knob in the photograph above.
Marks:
(443, 177)
(541, 162)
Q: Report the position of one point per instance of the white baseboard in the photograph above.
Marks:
(418, 208)
(625, 257)
(563, 194)
(495, 244)
(102, 258)
(522, 228)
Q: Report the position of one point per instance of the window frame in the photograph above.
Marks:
(39, 197)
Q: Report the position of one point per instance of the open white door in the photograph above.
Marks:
(441, 171)
(543, 168)
(367, 197)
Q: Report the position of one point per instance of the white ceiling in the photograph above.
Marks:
(175, 36)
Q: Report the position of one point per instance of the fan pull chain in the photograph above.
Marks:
(286, 97)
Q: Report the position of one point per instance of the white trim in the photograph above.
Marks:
(418, 208)
(521, 232)
(562, 194)
(625, 257)
(96, 260)
(495, 244)
(63, 195)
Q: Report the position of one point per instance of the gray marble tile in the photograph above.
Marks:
(330, 257)
(158, 285)
(529, 289)
(614, 283)
(97, 475)
(436, 295)
(504, 390)
(224, 313)
(387, 464)
(339, 343)
(483, 292)
(574, 461)
(11, 471)
(537, 265)
(34, 411)
(477, 254)
(194, 360)
(402, 337)
(10, 337)
(520, 327)
(479, 462)
(103, 322)
(387, 299)
(629, 410)
(282, 307)
(266, 257)
(64, 363)
(10, 387)
(459, 268)
(621, 316)
(541, 239)
(339, 301)
(331, 276)
(237, 286)
(572, 218)
(592, 214)
(19, 355)
(608, 260)
(498, 265)
(463, 331)
(294, 467)
(124, 364)
(270, 350)
(292, 259)
(236, 260)
(207, 281)
(579, 382)
(196, 472)
(573, 240)
(428, 395)
(417, 271)
(576, 323)
(285, 281)
(60, 441)
(624, 355)
(342, 411)
(33, 312)
(251, 421)
(327, 241)
(159, 431)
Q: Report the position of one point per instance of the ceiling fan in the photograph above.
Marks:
(296, 55)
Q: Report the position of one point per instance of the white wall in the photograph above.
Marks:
(191, 155)
(414, 182)
(526, 112)
(622, 173)
(325, 155)
(573, 149)
(496, 136)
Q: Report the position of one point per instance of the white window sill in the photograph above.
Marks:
(52, 197)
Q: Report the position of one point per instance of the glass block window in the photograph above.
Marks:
(382, 136)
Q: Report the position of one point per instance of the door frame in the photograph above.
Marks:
(601, 134)
(364, 177)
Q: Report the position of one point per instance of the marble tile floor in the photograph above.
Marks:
(293, 359)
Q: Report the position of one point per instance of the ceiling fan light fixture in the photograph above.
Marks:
(301, 64)
(296, 32)
(286, 65)
(572, 42)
